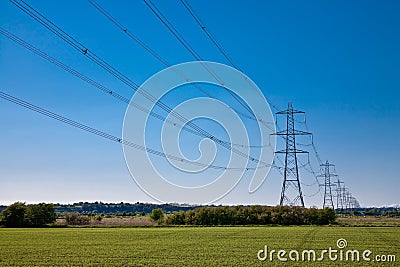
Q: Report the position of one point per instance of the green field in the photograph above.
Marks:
(186, 246)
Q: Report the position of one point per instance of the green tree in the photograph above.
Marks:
(76, 219)
(327, 216)
(176, 218)
(157, 215)
(40, 214)
(14, 215)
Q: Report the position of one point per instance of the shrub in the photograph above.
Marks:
(157, 215)
(242, 215)
(40, 214)
(76, 219)
(19, 215)
(14, 215)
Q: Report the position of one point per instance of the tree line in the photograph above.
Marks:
(251, 215)
(37, 215)
(21, 215)
(118, 208)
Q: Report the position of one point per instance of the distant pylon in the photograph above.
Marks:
(291, 191)
(346, 197)
(327, 175)
(339, 195)
(356, 204)
(349, 201)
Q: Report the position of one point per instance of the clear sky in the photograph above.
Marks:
(339, 61)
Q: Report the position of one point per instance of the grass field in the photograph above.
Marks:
(187, 246)
(369, 221)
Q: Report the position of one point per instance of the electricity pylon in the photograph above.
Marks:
(351, 201)
(291, 191)
(355, 203)
(347, 199)
(327, 175)
(339, 195)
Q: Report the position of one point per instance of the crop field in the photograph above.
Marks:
(191, 246)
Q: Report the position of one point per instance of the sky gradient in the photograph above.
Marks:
(336, 60)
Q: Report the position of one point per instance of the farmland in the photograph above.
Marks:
(184, 246)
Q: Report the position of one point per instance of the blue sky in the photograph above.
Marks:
(337, 60)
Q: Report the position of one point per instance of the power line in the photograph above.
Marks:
(105, 135)
(101, 87)
(165, 22)
(62, 65)
(92, 56)
(208, 33)
(81, 48)
(314, 194)
(229, 59)
(124, 29)
(313, 145)
(127, 32)
(77, 45)
(135, 38)
(98, 85)
(217, 44)
(310, 168)
(90, 81)
(171, 28)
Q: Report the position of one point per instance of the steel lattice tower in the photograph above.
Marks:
(291, 191)
(339, 195)
(327, 175)
(346, 198)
